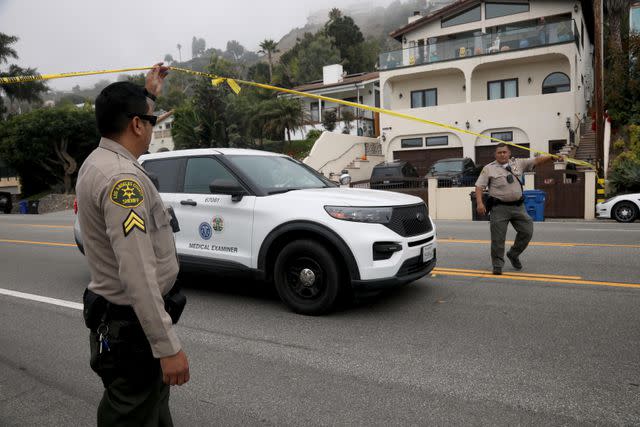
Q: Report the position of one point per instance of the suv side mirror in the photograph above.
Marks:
(227, 186)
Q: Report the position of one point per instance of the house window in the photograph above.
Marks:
(504, 136)
(411, 142)
(495, 10)
(469, 15)
(556, 82)
(433, 141)
(167, 125)
(424, 98)
(500, 89)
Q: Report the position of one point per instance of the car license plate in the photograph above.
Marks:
(427, 253)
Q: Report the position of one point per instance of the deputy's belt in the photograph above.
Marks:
(513, 203)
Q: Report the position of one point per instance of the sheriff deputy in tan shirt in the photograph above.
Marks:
(132, 259)
(503, 178)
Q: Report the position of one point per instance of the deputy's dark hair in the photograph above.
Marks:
(114, 103)
(502, 145)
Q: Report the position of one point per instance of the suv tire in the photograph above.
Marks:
(306, 277)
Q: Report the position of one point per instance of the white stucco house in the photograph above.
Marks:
(362, 88)
(517, 70)
(161, 138)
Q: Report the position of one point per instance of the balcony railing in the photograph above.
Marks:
(525, 37)
(358, 114)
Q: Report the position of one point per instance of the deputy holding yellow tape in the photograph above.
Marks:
(233, 84)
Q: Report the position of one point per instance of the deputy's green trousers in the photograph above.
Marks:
(501, 215)
(134, 394)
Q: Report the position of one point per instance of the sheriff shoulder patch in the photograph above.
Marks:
(127, 193)
(133, 221)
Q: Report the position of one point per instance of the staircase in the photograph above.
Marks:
(587, 146)
(362, 166)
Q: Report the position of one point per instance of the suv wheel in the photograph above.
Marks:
(306, 277)
(624, 212)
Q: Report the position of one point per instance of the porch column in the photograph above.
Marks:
(467, 85)
(589, 194)
(529, 181)
(432, 188)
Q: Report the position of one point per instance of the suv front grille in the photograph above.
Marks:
(410, 220)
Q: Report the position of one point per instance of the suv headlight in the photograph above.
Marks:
(371, 215)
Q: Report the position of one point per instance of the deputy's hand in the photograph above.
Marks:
(481, 209)
(155, 78)
(175, 369)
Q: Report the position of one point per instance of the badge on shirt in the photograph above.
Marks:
(133, 221)
(127, 193)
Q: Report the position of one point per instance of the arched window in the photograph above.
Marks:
(556, 82)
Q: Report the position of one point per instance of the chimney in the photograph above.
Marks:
(331, 74)
(416, 15)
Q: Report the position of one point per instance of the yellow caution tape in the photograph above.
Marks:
(233, 85)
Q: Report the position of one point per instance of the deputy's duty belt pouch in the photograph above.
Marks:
(94, 308)
(174, 304)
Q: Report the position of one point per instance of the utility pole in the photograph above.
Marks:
(598, 86)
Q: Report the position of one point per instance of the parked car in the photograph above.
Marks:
(622, 208)
(391, 174)
(277, 219)
(455, 172)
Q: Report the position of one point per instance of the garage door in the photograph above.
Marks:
(487, 154)
(423, 159)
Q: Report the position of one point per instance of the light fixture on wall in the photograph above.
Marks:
(384, 137)
(464, 87)
(568, 123)
(529, 80)
(468, 125)
(404, 40)
(400, 96)
(575, 8)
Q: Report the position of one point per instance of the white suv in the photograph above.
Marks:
(276, 218)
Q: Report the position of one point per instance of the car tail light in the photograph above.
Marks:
(75, 206)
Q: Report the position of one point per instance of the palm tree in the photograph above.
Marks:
(283, 115)
(179, 46)
(269, 47)
(6, 51)
(617, 11)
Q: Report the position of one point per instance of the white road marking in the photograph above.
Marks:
(46, 300)
(608, 229)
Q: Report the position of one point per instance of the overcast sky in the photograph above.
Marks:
(78, 35)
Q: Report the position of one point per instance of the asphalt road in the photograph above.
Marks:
(558, 343)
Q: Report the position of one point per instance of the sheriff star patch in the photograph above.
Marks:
(133, 221)
(127, 193)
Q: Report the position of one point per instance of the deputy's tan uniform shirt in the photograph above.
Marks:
(494, 176)
(127, 240)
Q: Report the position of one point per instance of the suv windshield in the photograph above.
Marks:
(276, 174)
(440, 167)
(387, 171)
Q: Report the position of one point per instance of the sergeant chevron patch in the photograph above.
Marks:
(133, 221)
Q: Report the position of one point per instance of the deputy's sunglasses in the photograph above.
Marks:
(150, 119)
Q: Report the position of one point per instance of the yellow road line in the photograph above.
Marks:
(14, 224)
(461, 270)
(552, 244)
(541, 279)
(29, 242)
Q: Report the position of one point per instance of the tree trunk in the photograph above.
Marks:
(270, 67)
(68, 163)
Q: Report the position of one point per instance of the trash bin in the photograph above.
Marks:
(33, 206)
(474, 213)
(23, 206)
(5, 202)
(534, 203)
